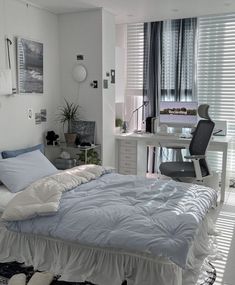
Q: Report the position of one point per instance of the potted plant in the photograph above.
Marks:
(118, 124)
(67, 114)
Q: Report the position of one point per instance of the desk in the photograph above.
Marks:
(139, 142)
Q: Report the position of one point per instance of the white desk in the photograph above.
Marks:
(134, 147)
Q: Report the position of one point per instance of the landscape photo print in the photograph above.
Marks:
(30, 66)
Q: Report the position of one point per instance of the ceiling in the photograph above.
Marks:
(127, 11)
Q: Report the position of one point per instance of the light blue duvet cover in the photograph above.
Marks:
(133, 213)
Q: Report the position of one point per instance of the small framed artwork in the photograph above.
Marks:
(38, 119)
(30, 66)
(43, 115)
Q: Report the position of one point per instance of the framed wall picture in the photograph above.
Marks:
(30, 66)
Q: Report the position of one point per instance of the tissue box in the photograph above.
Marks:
(61, 163)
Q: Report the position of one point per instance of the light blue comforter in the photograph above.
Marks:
(128, 212)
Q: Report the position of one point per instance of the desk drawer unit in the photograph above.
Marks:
(127, 157)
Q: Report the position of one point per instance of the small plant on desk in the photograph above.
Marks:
(92, 157)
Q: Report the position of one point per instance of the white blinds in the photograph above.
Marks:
(216, 73)
(135, 59)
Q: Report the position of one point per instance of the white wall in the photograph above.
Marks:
(121, 44)
(81, 33)
(108, 109)
(92, 34)
(16, 19)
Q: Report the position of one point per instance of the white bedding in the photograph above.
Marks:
(5, 197)
(84, 238)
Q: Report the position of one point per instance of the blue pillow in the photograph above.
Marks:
(19, 172)
(14, 153)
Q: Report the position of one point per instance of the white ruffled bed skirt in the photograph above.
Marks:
(77, 263)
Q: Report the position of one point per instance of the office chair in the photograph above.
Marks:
(197, 168)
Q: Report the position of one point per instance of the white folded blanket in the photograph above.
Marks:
(43, 196)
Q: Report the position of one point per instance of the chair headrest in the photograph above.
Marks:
(203, 111)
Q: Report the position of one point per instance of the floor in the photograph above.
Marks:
(224, 217)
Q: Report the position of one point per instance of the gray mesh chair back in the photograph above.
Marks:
(200, 140)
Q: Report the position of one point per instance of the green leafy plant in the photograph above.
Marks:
(92, 157)
(68, 113)
(118, 122)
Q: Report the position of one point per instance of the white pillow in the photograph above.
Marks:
(5, 197)
(19, 172)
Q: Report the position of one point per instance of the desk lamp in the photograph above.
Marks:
(137, 116)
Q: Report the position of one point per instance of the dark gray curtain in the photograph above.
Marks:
(169, 55)
(152, 67)
(177, 59)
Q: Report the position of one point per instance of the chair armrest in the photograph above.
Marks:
(199, 156)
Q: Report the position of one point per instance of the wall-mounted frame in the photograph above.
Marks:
(29, 66)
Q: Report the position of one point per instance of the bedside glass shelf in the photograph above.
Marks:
(53, 152)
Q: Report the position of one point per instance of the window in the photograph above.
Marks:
(216, 73)
(135, 59)
(134, 84)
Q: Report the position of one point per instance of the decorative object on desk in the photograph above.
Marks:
(52, 138)
(85, 131)
(124, 127)
(79, 73)
(163, 128)
(30, 66)
(65, 155)
(92, 157)
(68, 114)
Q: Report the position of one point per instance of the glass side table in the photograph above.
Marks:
(86, 149)
(53, 152)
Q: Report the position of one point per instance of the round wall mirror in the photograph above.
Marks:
(79, 73)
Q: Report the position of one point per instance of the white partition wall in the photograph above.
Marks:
(91, 34)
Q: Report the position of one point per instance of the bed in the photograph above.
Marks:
(92, 224)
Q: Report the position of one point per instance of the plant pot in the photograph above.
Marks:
(70, 138)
